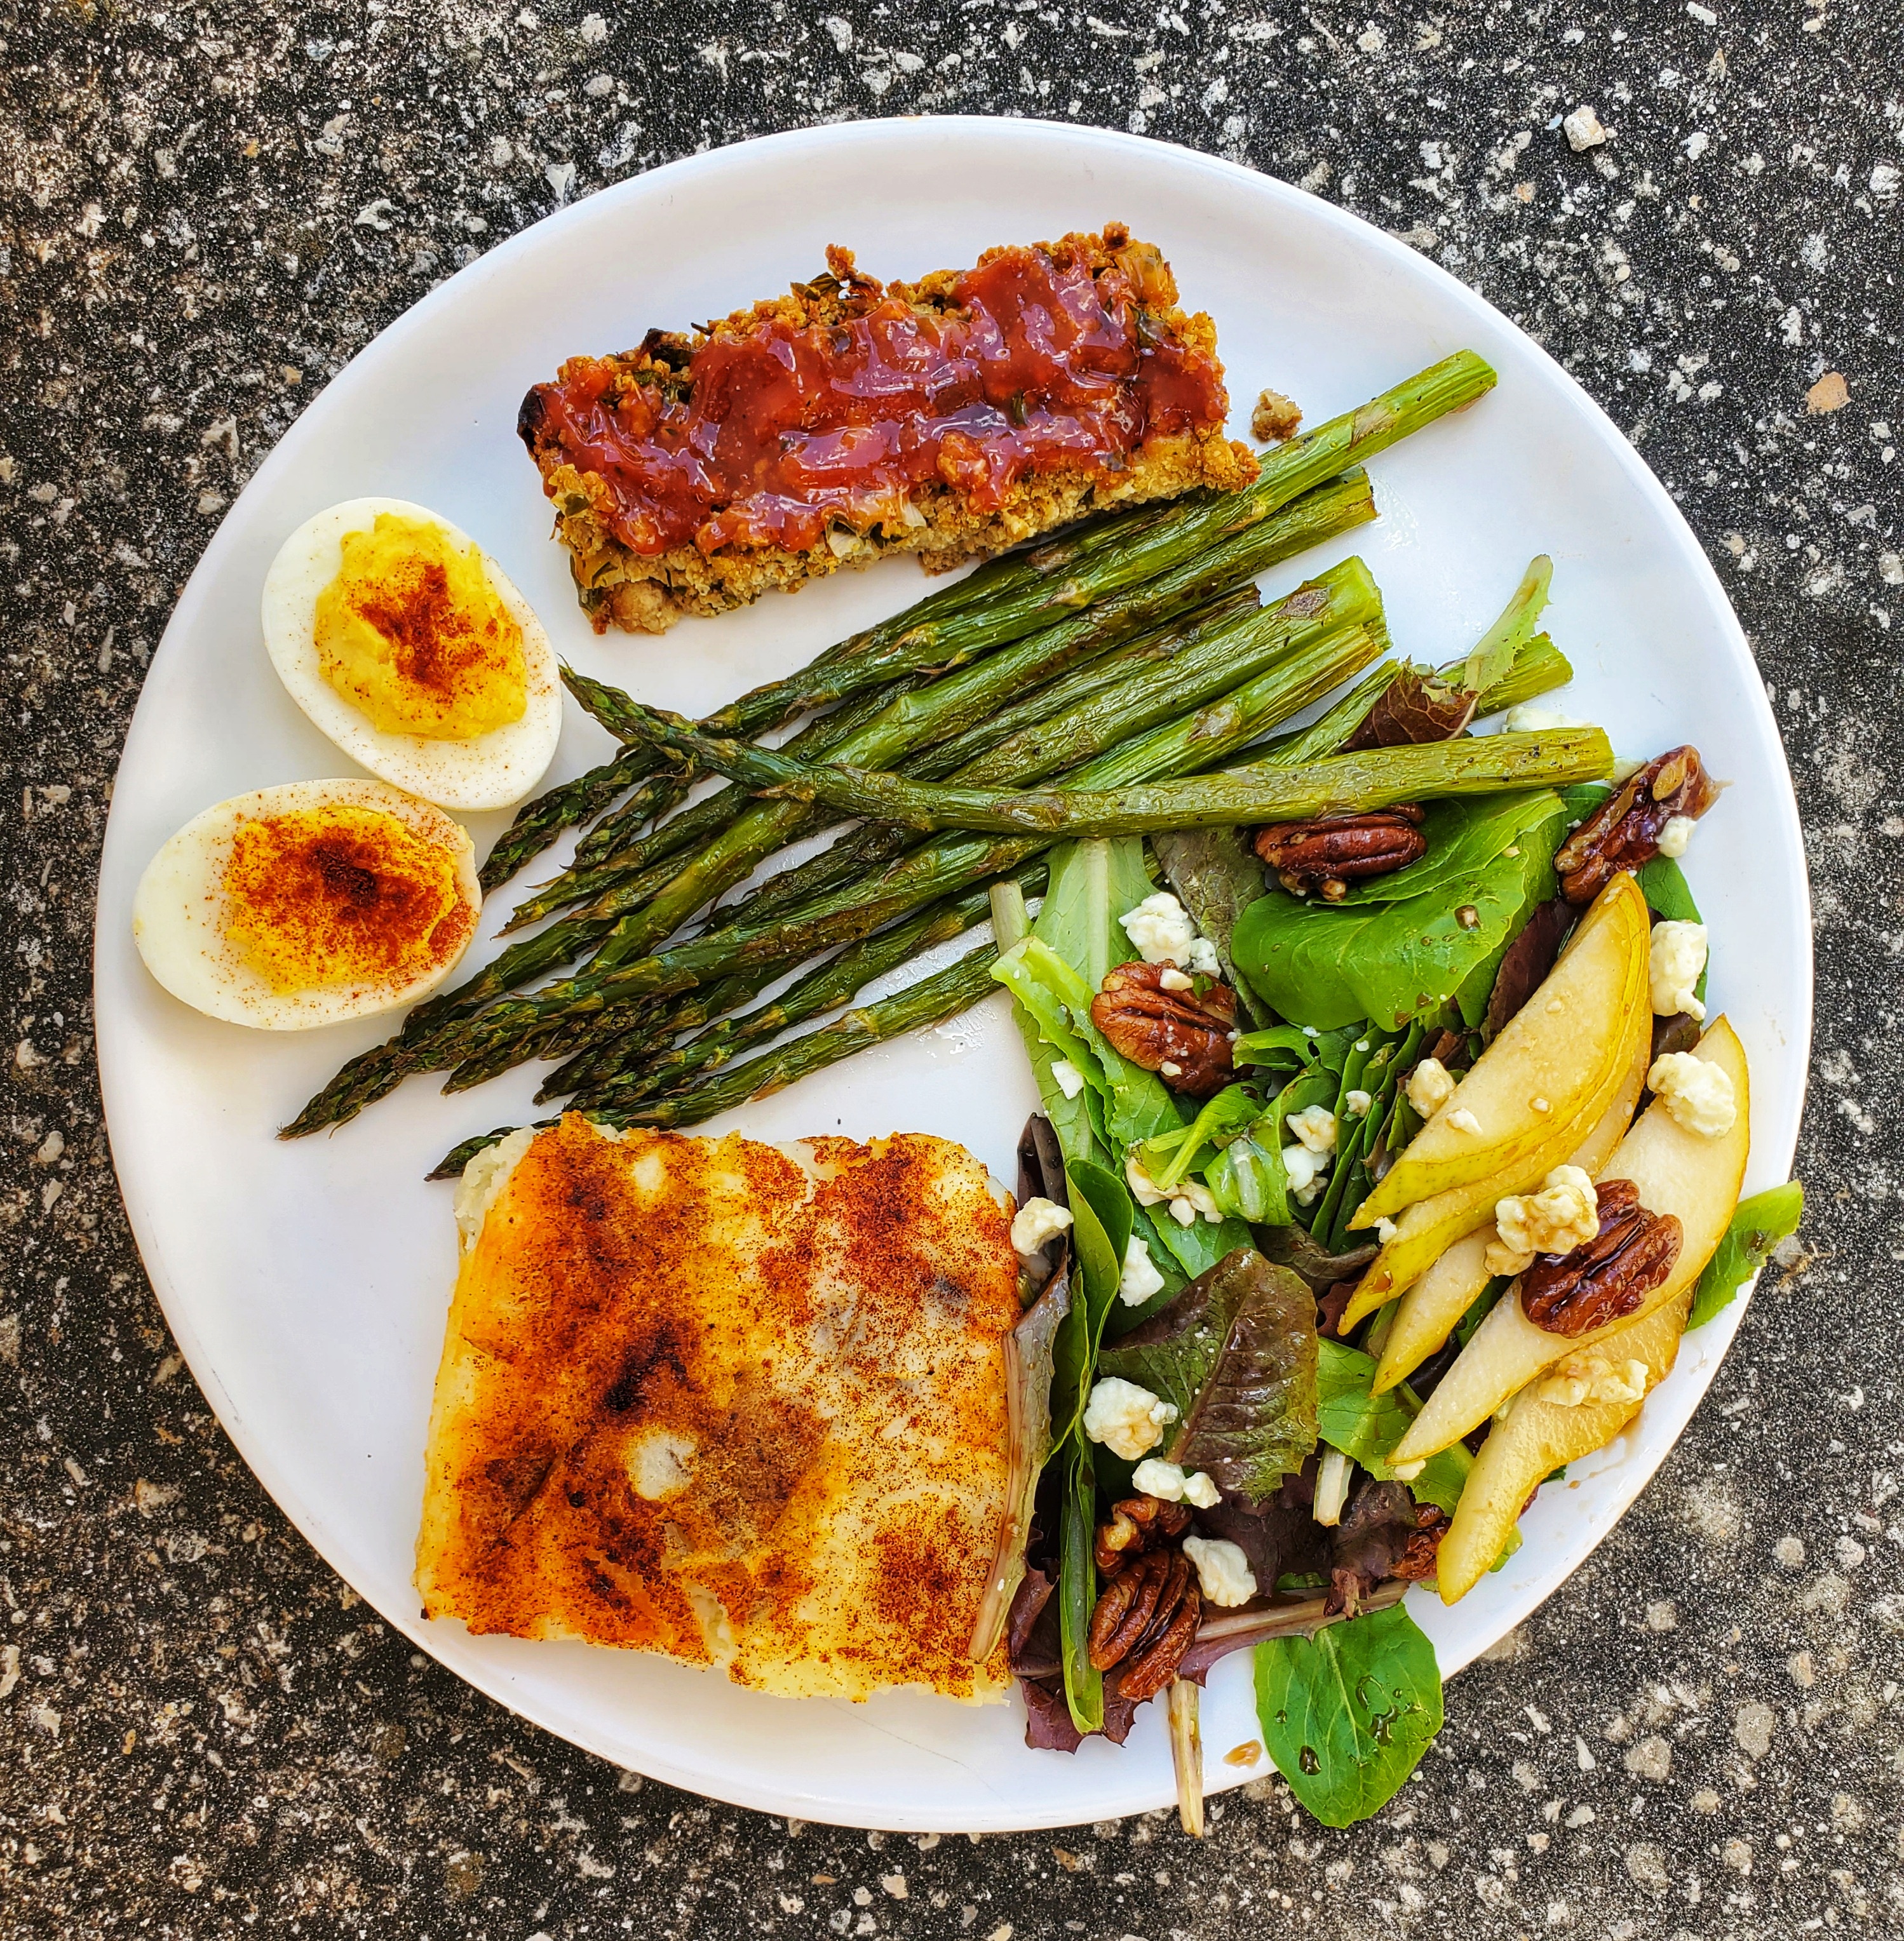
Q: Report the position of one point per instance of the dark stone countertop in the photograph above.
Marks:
(211, 208)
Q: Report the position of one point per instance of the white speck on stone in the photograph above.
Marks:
(561, 178)
(1752, 1725)
(378, 214)
(1884, 180)
(595, 29)
(840, 30)
(1696, 144)
(1703, 15)
(1583, 130)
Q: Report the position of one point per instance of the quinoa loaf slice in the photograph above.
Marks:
(953, 417)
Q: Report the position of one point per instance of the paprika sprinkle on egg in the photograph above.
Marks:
(341, 895)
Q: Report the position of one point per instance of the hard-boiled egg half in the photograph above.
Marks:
(408, 646)
(308, 903)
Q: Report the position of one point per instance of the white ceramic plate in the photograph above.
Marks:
(307, 1283)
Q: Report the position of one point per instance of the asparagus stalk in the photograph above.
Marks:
(965, 702)
(930, 1001)
(537, 823)
(1268, 792)
(1165, 674)
(828, 986)
(1198, 741)
(832, 983)
(628, 875)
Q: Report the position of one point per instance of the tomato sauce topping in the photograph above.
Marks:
(782, 430)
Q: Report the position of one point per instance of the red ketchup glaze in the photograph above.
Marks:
(786, 429)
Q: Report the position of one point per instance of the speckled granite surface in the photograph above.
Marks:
(210, 209)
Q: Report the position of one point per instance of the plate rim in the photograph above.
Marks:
(495, 1682)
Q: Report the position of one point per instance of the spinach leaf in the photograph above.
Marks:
(1235, 1351)
(1757, 1226)
(1367, 1427)
(1662, 883)
(1389, 963)
(1347, 1715)
(1278, 1046)
(1463, 837)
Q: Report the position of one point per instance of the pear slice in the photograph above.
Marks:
(1551, 1423)
(1429, 1228)
(1695, 1178)
(1562, 1048)
(1450, 1287)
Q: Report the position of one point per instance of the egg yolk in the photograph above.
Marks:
(342, 894)
(411, 632)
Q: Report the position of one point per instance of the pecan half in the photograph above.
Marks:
(1417, 1561)
(1608, 1278)
(1138, 1524)
(1183, 1034)
(1145, 1620)
(1624, 831)
(1328, 852)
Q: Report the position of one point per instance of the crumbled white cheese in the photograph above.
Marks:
(1674, 837)
(1139, 1279)
(1315, 1126)
(1036, 1222)
(1128, 1420)
(1430, 1085)
(1144, 1189)
(1224, 1571)
(1190, 1197)
(1160, 930)
(1304, 1170)
(1204, 959)
(1167, 1482)
(1066, 1077)
(1677, 956)
(1564, 1214)
(1463, 1120)
(1170, 1068)
(1698, 1095)
(1531, 718)
(1582, 1379)
(1357, 1103)
(483, 1180)
(1174, 979)
(1385, 1230)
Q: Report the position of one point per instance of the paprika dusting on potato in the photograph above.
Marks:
(342, 894)
(412, 632)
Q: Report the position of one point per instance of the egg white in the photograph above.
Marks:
(180, 912)
(491, 771)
